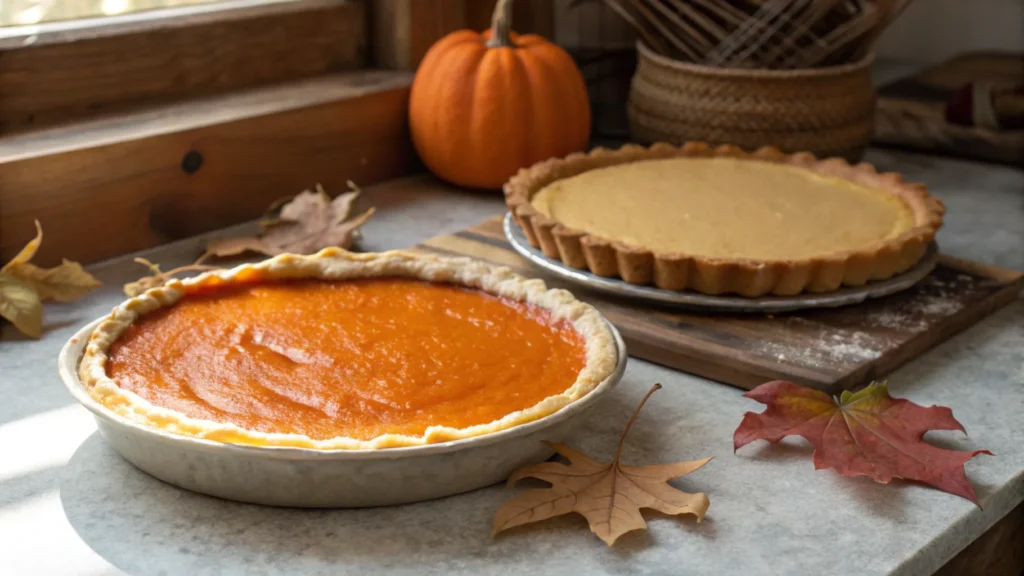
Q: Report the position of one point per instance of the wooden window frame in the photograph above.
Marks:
(59, 72)
(124, 132)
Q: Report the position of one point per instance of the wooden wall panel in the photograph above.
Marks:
(69, 74)
(997, 552)
(403, 30)
(106, 188)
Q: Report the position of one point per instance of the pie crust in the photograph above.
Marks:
(717, 275)
(336, 264)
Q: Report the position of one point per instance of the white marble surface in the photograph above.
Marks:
(69, 505)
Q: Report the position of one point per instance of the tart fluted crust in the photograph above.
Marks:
(335, 264)
(747, 277)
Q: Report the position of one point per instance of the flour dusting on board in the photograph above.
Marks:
(936, 299)
(832, 347)
(877, 330)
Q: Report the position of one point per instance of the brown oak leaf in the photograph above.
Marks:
(866, 433)
(24, 287)
(608, 494)
(309, 222)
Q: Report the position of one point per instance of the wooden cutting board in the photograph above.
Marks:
(831, 349)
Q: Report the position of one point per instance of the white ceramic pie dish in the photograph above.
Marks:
(303, 477)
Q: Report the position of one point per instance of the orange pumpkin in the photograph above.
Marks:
(484, 105)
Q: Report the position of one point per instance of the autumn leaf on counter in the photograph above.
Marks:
(608, 494)
(158, 277)
(20, 305)
(867, 433)
(307, 224)
(24, 287)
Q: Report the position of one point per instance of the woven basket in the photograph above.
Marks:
(826, 111)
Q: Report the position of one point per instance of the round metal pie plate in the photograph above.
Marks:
(687, 299)
(329, 478)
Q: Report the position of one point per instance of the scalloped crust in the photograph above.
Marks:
(747, 277)
(336, 264)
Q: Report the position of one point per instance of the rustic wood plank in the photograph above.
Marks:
(403, 30)
(997, 552)
(528, 16)
(73, 73)
(431, 20)
(108, 187)
(830, 350)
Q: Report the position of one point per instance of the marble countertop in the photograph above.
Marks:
(70, 505)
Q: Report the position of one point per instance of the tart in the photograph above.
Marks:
(347, 351)
(720, 220)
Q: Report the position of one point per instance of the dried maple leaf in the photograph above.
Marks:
(158, 277)
(309, 222)
(867, 433)
(608, 494)
(24, 286)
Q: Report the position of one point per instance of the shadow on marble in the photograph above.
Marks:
(953, 440)
(887, 501)
(10, 335)
(120, 511)
(77, 322)
(705, 529)
(786, 450)
(983, 490)
(627, 545)
(37, 405)
(25, 486)
(144, 526)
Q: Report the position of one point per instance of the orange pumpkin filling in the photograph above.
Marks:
(356, 358)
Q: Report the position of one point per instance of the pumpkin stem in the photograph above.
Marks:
(501, 25)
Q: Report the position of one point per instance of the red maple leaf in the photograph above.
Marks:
(868, 433)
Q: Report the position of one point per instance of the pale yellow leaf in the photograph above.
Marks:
(20, 305)
(63, 283)
(608, 494)
(29, 251)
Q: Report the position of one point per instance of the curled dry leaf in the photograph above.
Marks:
(866, 433)
(309, 222)
(29, 251)
(63, 283)
(21, 306)
(608, 494)
(25, 286)
(159, 278)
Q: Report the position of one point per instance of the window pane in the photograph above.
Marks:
(23, 12)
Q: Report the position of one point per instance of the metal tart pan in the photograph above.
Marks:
(300, 477)
(619, 288)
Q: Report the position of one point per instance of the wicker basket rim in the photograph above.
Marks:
(799, 73)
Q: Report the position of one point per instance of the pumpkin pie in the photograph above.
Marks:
(719, 220)
(347, 351)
